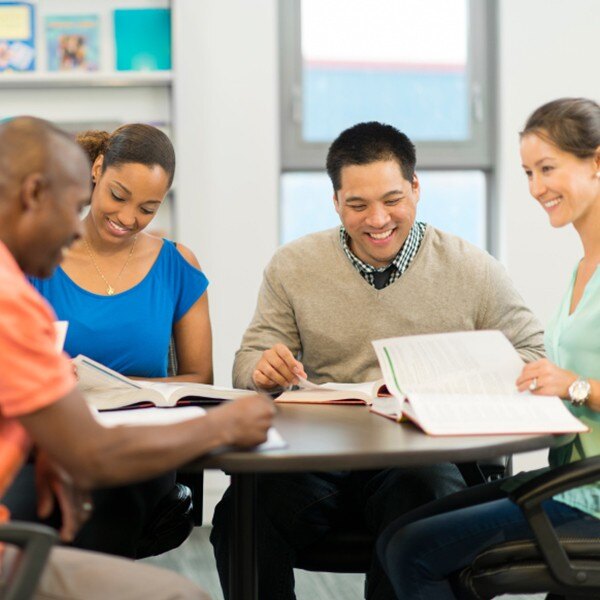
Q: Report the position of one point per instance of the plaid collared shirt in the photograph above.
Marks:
(401, 262)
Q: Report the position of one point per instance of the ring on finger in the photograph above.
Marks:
(533, 385)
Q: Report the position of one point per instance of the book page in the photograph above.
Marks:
(60, 328)
(274, 441)
(368, 388)
(113, 398)
(324, 396)
(148, 416)
(172, 391)
(94, 375)
(388, 406)
(470, 362)
(167, 416)
(478, 414)
(330, 393)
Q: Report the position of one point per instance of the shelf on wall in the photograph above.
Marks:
(69, 79)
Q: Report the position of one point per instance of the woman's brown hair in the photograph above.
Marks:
(571, 124)
(133, 143)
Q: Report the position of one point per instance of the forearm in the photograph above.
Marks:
(98, 456)
(531, 348)
(127, 454)
(243, 367)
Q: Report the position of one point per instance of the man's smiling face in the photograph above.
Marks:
(377, 206)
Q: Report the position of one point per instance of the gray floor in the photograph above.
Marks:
(194, 559)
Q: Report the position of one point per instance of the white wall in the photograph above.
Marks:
(226, 132)
(547, 50)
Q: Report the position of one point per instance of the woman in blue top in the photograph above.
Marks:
(126, 294)
(424, 550)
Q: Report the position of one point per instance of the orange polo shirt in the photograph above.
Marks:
(32, 374)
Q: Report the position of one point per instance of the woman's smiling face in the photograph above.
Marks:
(125, 198)
(565, 185)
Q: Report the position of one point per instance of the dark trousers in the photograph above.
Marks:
(119, 517)
(424, 551)
(294, 510)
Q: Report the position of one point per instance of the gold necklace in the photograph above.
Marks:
(110, 290)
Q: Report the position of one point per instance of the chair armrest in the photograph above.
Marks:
(35, 541)
(530, 496)
(195, 481)
(555, 481)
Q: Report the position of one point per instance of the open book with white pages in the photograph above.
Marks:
(333, 393)
(463, 383)
(106, 389)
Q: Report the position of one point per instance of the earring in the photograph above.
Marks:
(598, 174)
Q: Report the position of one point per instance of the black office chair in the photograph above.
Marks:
(35, 542)
(351, 550)
(566, 568)
(179, 511)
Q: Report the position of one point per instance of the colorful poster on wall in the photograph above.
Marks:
(17, 36)
(72, 42)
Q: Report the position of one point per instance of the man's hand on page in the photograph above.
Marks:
(245, 421)
(277, 367)
(53, 483)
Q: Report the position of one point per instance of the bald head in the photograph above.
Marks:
(44, 182)
(29, 145)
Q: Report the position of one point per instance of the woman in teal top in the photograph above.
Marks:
(424, 550)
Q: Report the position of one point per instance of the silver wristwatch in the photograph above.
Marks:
(579, 391)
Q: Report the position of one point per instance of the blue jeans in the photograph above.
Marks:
(422, 551)
(294, 510)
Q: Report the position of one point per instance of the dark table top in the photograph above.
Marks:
(323, 438)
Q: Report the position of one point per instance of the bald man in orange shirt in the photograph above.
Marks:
(44, 184)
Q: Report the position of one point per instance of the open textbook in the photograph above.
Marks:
(334, 393)
(106, 389)
(463, 383)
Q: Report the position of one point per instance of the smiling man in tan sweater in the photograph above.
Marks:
(323, 299)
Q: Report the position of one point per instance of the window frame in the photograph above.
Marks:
(475, 153)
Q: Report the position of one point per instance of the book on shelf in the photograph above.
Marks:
(463, 383)
(72, 42)
(106, 389)
(334, 393)
(17, 36)
(142, 39)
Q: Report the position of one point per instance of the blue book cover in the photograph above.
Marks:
(17, 36)
(72, 42)
(143, 39)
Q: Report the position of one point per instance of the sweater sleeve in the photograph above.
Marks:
(504, 309)
(273, 322)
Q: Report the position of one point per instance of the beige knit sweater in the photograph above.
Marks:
(316, 303)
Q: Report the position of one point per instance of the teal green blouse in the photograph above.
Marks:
(573, 343)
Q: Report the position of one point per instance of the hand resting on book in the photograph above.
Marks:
(277, 367)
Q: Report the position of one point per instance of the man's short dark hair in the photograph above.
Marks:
(366, 143)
